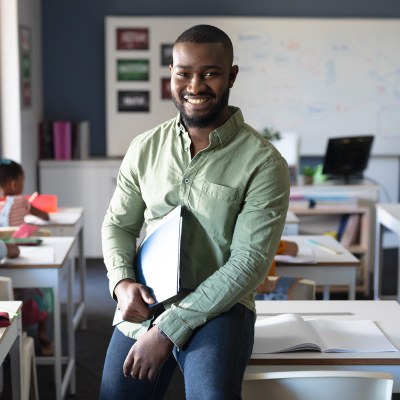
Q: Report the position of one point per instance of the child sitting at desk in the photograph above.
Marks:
(284, 247)
(13, 208)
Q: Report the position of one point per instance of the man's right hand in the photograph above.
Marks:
(134, 300)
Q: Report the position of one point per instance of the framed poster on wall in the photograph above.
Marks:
(133, 101)
(25, 66)
(133, 70)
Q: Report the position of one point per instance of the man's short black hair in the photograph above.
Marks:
(9, 170)
(206, 34)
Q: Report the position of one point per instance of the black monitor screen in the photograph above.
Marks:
(347, 157)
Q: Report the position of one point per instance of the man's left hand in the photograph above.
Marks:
(147, 355)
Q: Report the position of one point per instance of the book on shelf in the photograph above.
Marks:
(46, 146)
(291, 332)
(80, 140)
(351, 230)
(342, 225)
(64, 140)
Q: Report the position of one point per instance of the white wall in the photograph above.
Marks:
(29, 14)
(19, 126)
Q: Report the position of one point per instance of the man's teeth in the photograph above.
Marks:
(197, 101)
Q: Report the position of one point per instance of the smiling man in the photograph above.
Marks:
(233, 186)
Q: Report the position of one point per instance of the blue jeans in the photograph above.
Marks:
(213, 362)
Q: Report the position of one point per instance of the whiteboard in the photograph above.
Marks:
(319, 78)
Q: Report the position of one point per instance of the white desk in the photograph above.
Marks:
(11, 343)
(68, 221)
(385, 313)
(329, 269)
(387, 216)
(38, 270)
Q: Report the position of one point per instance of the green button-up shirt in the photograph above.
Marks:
(236, 194)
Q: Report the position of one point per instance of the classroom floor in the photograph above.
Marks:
(91, 343)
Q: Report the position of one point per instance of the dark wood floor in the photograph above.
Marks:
(91, 343)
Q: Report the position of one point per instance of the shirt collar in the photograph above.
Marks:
(224, 133)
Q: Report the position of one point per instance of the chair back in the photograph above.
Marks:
(317, 385)
(287, 288)
(6, 289)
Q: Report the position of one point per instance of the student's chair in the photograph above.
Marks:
(317, 385)
(29, 378)
(288, 288)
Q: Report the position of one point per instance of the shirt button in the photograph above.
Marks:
(186, 180)
(185, 213)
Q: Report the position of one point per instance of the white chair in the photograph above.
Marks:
(29, 378)
(317, 385)
(299, 289)
(289, 147)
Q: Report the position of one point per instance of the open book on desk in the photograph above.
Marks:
(291, 332)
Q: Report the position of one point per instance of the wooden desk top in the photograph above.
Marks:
(51, 253)
(385, 313)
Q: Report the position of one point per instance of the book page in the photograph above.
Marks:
(351, 336)
(283, 333)
(305, 255)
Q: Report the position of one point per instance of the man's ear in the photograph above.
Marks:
(232, 75)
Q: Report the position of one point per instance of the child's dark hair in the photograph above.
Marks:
(9, 169)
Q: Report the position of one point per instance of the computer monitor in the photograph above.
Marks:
(347, 157)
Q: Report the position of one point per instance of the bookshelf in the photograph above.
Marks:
(322, 220)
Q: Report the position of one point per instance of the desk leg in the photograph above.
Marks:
(70, 328)
(352, 287)
(16, 365)
(82, 277)
(378, 259)
(57, 340)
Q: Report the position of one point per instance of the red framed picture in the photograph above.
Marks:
(132, 38)
(166, 89)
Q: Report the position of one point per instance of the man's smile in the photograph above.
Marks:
(197, 100)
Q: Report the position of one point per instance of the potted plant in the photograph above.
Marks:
(271, 133)
(308, 174)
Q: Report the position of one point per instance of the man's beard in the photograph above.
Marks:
(193, 121)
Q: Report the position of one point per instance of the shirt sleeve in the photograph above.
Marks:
(256, 236)
(121, 228)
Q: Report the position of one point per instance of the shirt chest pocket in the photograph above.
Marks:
(219, 206)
